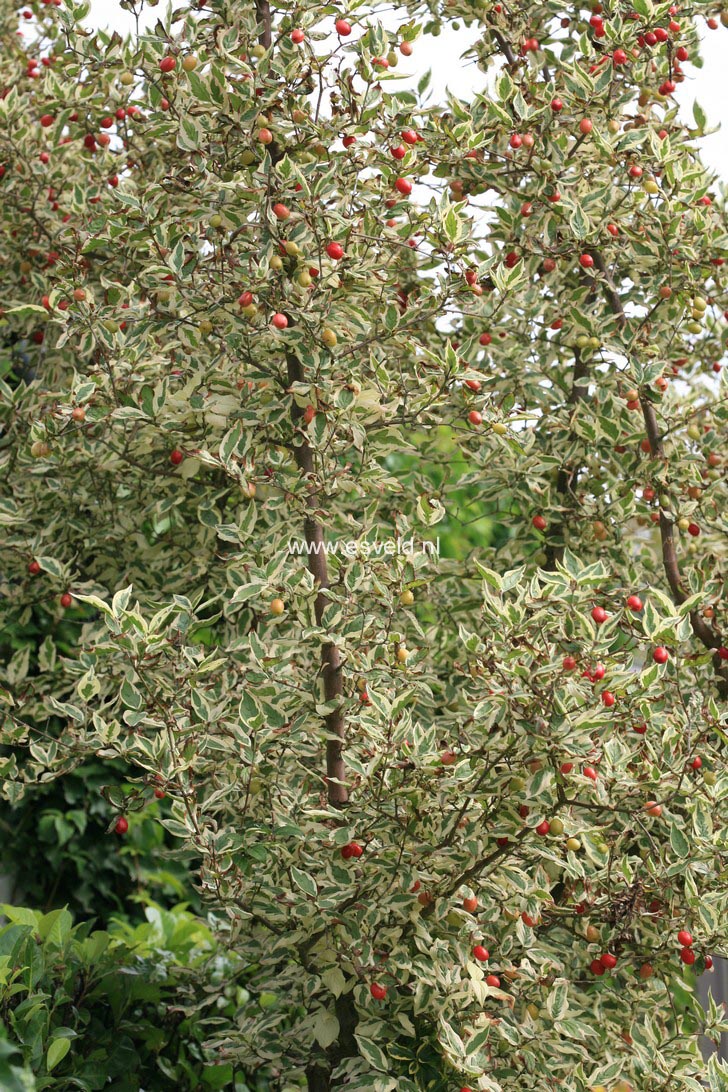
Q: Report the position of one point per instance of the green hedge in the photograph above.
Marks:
(123, 1009)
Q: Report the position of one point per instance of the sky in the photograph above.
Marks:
(442, 55)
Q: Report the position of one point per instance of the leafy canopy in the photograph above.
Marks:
(254, 291)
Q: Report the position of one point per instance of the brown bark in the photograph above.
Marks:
(705, 634)
(330, 655)
(555, 547)
(314, 535)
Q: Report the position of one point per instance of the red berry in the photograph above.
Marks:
(404, 186)
(516, 141)
(279, 321)
(281, 212)
(660, 655)
(335, 251)
(608, 960)
(343, 29)
(539, 523)
(619, 57)
(480, 953)
(687, 955)
(297, 36)
(568, 663)
(246, 299)
(585, 126)
(47, 120)
(168, 64)
(590, 772)
(409, 136)
(635, 171)
(66, 600)
(543, 828)
(378, 992)
(634, 603)
(596, 967)
(566, 767)
(599, 615)
(121, 825)
(685, 939)
(608, 698)
(586, 261)
(492, 980)
(176, 457)
(697, 763)
(708, 962)
(485, 339)
(475, 417)
(34, 568)
(557, 105)
(693, 530)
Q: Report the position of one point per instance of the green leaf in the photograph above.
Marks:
(678, 841)
(699, 114)
(27, 310)
(372, 1053)
(325, 1028)
(579, 222)
(57, 1051)
(304, 881)
(50, 565)
(451, 225)
(190, 134)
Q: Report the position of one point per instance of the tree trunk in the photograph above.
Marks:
(318, 1076)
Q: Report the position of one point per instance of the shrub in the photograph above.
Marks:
(91, 1010)
(457, 817)
(55, 848)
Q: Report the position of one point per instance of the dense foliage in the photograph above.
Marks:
(119, 1010)
(463, 816)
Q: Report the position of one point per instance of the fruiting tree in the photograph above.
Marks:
(463, 817)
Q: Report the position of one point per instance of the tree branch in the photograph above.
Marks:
(262, 10)
(314, 535)
(504, 46)
(330, 656)
(701, 629)
(555, 547)
(705, 634)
